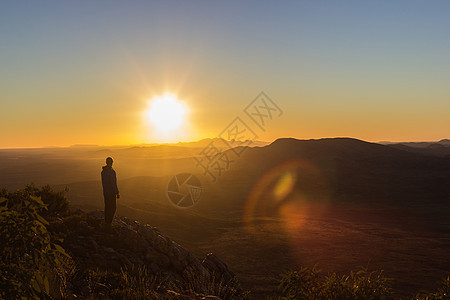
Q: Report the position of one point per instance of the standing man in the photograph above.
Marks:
(110, 190)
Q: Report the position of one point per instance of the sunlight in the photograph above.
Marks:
(166, 113)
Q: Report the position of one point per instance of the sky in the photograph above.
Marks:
(83, 72)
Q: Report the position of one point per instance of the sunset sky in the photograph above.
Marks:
(83, 72)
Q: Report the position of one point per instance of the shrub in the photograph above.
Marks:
(136, 282)
(29, 255)
(443, 292)
(299, 284)
(129, 283)
(208, 284)
(311, 283)
(56, 203)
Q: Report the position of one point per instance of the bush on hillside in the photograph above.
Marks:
(443, 292)
(32, 262)
(312, 283)
(56, 203)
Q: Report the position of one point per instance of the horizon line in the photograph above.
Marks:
(201, 140)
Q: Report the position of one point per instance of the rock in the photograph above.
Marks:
(93, 244)
(163, 261)
(97, 256)
(218, 267)
(109, 250)
(162, 244)
(178, 296)
(124, 260)
(154, 268)
(99, 214)
(151, 256)
(160, 259)
(83, 224)
(131, 243)
(148, 233)
(179, 253)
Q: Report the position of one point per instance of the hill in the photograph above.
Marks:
(352, 170)
(440, 148)
(130, 245)
(47, 252)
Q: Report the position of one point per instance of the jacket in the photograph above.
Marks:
(109, 181)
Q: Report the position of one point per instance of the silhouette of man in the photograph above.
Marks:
(110, 190)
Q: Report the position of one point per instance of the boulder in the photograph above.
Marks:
(214, 265)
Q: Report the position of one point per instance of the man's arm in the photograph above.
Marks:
(115, 185)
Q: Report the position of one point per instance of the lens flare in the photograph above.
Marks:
(291, 193)
(284, 185)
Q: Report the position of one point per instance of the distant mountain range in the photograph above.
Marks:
(440, 148)
(350, 170)
(220, 142)
(444, 142)
(353, 170)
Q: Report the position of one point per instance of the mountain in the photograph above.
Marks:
(430, 149)
(440, 148)
(218, 142)
(445, 142)
(343, 170)
(350, 170)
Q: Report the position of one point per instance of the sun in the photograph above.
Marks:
(166, 113)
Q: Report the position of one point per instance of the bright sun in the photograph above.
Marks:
(166, 113)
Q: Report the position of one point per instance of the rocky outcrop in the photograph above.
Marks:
(129, 243)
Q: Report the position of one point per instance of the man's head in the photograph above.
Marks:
(109, 161)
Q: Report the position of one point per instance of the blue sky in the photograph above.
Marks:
(82, 71)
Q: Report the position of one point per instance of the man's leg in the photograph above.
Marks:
(113, 208)
(110, 208)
